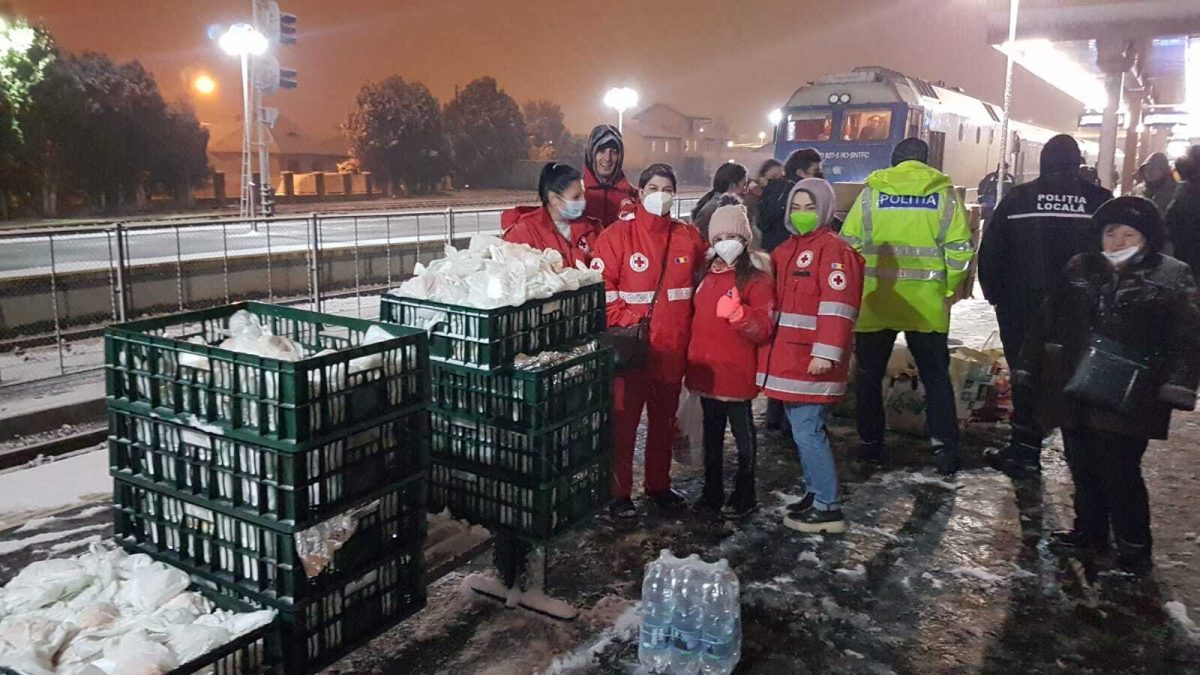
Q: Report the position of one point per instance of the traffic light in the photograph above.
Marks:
(271, 77)
(281, 27)
(287, 78)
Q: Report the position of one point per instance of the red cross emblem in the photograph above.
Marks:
(805, 259)
(638, 262)
(837, 280)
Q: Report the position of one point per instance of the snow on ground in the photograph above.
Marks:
(80, 478)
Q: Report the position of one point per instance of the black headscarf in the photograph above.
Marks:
(1137, 212)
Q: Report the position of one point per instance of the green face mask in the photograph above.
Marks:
(805, 221)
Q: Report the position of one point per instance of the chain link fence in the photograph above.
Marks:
(63, 286)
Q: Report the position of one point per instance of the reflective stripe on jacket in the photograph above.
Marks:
(913, 234)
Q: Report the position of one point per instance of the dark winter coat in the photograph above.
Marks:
(1150, 307)
(771, 210)
(1183, 223)
(1035, 230)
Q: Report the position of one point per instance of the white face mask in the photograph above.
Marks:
(729, 250)
(573, 209)
(658, 203)
(1118, 258)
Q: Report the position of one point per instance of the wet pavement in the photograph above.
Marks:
(934, 576)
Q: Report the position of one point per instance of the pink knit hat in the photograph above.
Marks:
(731, 219)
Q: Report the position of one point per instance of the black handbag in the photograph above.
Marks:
(1111, 377)
(631, 344)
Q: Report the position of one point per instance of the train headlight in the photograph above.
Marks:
(844, 99)
(833, 99)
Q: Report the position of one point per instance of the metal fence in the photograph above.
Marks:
(62, 286)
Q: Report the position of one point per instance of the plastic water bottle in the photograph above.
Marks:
(721, 636)
(688, 617)
(658, 603)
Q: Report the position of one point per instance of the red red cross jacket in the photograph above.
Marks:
(608, 203)
(723, 354)
(818, 290)
(533, 225)
(629, 253)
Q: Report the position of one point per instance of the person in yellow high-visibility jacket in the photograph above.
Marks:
(912, 230)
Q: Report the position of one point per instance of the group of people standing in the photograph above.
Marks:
(1101, 329)
(1080, 281)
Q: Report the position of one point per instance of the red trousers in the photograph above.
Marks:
(634, 391)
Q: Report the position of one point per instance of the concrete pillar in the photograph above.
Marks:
(319, 180)
(1131, 141)
(347, 184)
(368, 183)
(1108, 128)
(1114, 57)
(289, 183)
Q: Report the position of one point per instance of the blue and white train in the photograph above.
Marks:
(855, 120)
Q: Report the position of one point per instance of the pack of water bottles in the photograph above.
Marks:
(691, 617)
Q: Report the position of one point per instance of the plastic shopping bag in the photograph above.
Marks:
(689, 419)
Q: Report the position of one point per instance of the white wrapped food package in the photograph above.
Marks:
(492, 273)
(115, 614)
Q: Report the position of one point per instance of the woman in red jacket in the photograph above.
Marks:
(559, 222)
(649, 266)
(732, 319)
(818, 290)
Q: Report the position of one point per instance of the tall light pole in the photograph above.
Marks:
(1013, 10)
(243, 40)
(621, 99)
(775, 117)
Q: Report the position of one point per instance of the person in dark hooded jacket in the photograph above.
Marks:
(1183, 217)
(1035, 230)
(609, 194)
(1127, 301)
(1157, 183)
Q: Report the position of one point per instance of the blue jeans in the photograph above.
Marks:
(816, 457)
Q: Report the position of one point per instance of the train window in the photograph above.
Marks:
(866, 125)
(962, 131)
(978, 135)
(809, 126)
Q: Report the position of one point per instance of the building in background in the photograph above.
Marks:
(694, 145)
(292, 149)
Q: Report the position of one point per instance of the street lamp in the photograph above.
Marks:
(621, 99)
(204, 84)
(775, 117)
(243, 40)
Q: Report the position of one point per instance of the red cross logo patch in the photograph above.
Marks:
(598, 264)
(638, 262)
(805, 259)
(837, 280)
(583, 246)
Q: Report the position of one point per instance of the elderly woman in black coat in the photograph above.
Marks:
(1113, 351)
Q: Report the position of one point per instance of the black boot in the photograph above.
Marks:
(1018, 460)
(1075, 543)
(872, 453)
(947, 460)
(1134, 559)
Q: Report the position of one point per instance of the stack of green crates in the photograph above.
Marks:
(525, 453)
(219, 458)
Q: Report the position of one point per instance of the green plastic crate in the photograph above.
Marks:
(490, 339)
(525, 400)
(152, 366)
(522, 457)
(265, 485)
(259, 652)
(534, 513)
(259, 561)
(333, 624)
